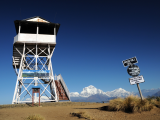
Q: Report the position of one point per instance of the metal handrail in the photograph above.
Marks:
(57, 92)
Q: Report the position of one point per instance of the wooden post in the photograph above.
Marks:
(39, 96)
(32, 97)
(139, 91)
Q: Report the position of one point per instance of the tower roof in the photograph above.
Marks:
(37, 19)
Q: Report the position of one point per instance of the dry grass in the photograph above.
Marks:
(35, 117)
(131, 104)
(116, 104)
(82, 115)
(154, 100)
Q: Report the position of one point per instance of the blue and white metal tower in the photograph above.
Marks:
(33, 48)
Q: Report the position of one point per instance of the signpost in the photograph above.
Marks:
(134, 71)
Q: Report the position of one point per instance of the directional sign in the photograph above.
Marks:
(135, 80)
(129, 61)
(133, 70)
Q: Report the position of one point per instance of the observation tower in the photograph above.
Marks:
(33, 48)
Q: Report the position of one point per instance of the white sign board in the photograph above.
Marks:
(135, 80)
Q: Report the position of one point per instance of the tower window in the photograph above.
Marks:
(46, 29)
(28, 28)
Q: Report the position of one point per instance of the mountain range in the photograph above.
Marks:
(148, 92)
(157, 93)
(92, 94)
(91, 90)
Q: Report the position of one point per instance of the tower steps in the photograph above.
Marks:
(17, 56)
(61, 91)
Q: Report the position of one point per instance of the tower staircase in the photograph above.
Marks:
(62, 90)
(17, 55)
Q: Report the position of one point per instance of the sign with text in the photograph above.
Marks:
(135, 80)
(35, 73)
(133, 70)
(129, 61)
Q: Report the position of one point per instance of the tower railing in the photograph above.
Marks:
(24, 37)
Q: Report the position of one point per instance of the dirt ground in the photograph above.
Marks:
(62, 112)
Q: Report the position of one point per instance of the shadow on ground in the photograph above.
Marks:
(103, 108)
(30, 105)
(106, 108)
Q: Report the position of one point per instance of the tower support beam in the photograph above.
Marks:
(34, 57)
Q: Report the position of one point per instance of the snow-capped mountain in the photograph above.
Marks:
(91, 90)
(118, 93)
(92, 94)
(74, 94)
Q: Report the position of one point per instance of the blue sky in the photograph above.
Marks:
(93, 39)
